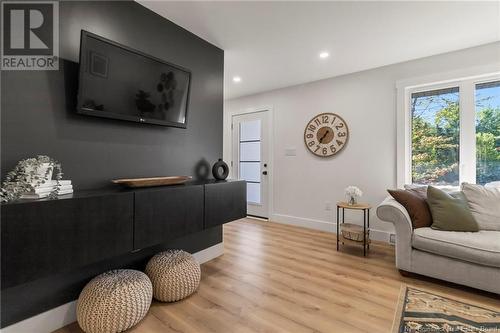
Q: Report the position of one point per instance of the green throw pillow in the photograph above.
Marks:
(450, 212)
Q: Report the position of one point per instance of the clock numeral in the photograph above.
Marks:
(339, 126)
(340, 143)
(333, 120)
(324, 119)
(311, 128)
(309, 136)
(311, 143)
(333, 149)
(325, 151)
(317, 148)
(341, 134)
(317, 122)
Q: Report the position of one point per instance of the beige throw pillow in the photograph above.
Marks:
(484, 203)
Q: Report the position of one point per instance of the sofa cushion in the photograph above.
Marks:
(450, 212)
(415, 205)
(484, 203)
(418, 190)
(422, 189)
(482, 247)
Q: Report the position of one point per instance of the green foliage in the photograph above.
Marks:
(435, 145)
(488, 121)
(448, 119)
(485, 147)
(488, 145)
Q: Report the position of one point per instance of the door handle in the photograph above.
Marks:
(264, 172)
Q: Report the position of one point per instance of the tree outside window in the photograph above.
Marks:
(435, 136)
(487, 132)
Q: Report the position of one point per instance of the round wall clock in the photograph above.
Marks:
(326, 134)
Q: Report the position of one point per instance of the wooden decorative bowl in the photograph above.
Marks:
(352, 232)
(154, 181)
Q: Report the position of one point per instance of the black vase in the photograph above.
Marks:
(202, 169)
(220, 170)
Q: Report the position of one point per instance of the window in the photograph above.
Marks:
(250, 144)
(450, 132)
(487, 132)
(435, 117)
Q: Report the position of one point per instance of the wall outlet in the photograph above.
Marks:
(328, 205)
(392, 238)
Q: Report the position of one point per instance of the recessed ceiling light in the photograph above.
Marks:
(236, 79)
(324, 55)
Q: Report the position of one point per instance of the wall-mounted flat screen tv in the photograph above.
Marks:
(119, 82)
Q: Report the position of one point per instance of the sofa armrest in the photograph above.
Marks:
(392, 211)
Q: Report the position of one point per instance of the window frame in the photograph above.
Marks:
(467, 149)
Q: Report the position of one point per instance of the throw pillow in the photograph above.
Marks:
(415, 187)
(495, 184)
(484, 203)
(421, 191)
(450, 212)
(415, 205)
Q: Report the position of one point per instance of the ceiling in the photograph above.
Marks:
(272, 45)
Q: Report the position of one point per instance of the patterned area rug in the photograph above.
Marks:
(421, 311)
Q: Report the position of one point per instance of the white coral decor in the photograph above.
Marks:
(353, 193)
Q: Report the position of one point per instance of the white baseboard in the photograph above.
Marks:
(65, 314)
(45, 322)
(378, 235)
(304, 222)
(209, 253)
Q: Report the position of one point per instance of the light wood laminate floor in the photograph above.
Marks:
(279, 278)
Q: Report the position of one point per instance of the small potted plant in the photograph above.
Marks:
(353, 193)
(29, 174)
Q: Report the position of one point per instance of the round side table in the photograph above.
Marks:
(356, 234)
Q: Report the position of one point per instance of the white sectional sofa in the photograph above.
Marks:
(467, 258)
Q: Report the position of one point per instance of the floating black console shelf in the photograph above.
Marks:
(46, 239)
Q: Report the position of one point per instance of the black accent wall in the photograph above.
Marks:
(38, 116)
(38, 107)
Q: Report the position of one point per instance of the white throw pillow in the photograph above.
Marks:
(484, 203)
(423, 188)
(492, 184)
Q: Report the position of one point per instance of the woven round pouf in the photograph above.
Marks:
(175, 274)
(114, 301)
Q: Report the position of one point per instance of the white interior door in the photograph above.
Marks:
(250, 160)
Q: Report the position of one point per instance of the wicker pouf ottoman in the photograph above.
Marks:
(114, 301)
(175, 274)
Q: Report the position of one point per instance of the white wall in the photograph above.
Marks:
(367, 101)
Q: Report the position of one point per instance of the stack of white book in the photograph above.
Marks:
(44, 190)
